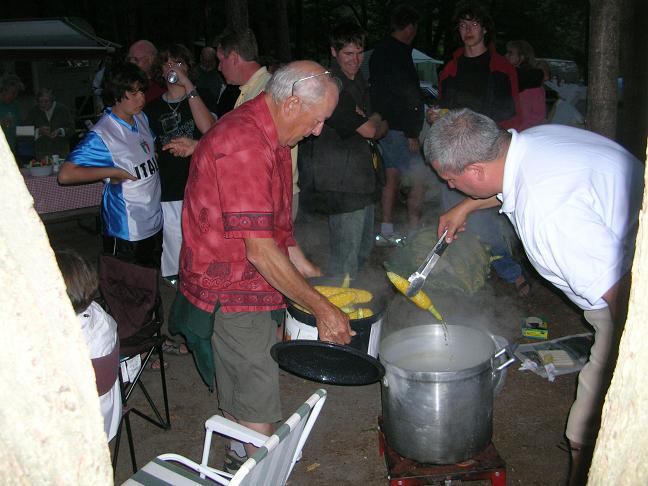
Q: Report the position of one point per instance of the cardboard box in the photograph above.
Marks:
(535, 328)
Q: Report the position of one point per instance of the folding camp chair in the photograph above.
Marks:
(131, 293)
(270, 465)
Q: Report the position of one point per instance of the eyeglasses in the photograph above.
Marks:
(292, 91)
(171, 64)
(468, 25)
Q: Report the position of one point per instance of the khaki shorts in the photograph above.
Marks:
(247, 378)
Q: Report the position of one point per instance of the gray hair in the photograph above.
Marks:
(461, 138)
(145, 45)
(311, 90)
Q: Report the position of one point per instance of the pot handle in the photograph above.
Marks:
(510, 361)
(499, 373)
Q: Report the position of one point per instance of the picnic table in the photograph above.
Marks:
(55, 202)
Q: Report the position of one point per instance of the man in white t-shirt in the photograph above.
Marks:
(573, 198)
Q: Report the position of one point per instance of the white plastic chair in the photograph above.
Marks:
(270, 465)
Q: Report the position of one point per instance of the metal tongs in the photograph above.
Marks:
(417, 279)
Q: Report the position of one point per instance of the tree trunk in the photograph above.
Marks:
(317, 30)
(197, 21)
(633, 118)
(283, 31)
(620, 454)
(603, 66)
(440, 43)
(51, 430)
(214, 24)
(261, 23)
(364, 14)
(299, 29)
(237, 14)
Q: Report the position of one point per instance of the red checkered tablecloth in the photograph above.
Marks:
(50, 197)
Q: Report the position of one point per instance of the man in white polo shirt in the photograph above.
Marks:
(573, 197)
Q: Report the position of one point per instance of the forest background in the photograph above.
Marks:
(296, 29)
(606, 38)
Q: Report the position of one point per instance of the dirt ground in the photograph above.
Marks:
(529, 414)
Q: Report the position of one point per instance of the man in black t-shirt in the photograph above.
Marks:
(396, 94)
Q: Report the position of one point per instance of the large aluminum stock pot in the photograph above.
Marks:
(437, 392)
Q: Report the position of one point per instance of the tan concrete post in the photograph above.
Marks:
(51, 430)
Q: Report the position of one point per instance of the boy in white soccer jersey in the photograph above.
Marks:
(119, 149)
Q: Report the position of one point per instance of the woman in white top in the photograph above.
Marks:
(100, 332)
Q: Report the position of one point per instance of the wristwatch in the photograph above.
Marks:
(193, 93)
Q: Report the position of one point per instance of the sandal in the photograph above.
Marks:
(233, 461)
(178, 349)
(154, 365)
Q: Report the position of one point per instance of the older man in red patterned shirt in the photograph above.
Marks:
(239, 257)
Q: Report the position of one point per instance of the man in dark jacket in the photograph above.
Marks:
(395, 93)
(344, 177)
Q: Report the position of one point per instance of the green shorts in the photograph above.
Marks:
(247, 378)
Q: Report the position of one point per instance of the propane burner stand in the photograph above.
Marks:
(487, 465)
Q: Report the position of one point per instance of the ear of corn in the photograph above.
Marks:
(342, 299)
(420, 299)
(360, 313)
(360, 296)
(348, 310)
(326, 290)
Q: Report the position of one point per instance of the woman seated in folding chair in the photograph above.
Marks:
(119, 148)
(100, 332)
